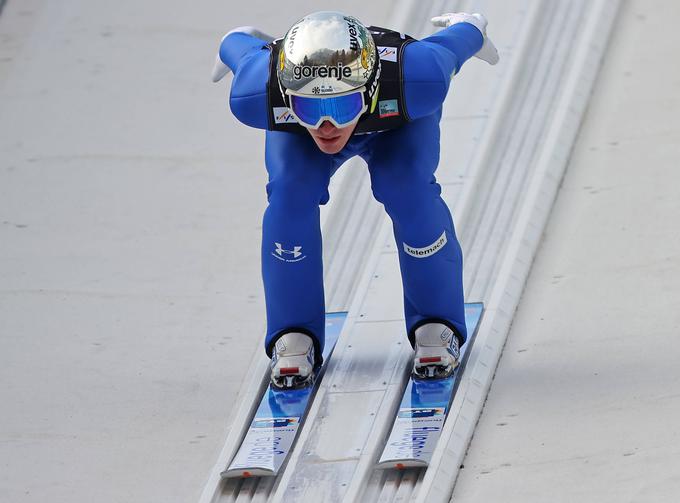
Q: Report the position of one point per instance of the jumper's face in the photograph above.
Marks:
(331, 139)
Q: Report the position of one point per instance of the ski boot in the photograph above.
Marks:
(292, 362)
(437, 351)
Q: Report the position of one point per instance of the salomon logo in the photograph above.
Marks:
(446, 335)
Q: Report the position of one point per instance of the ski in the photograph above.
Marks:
(424, 407)
(278, 419)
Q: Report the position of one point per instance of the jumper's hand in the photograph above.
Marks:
(220, 69)
(488, 52)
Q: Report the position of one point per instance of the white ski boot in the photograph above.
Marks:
(437, 351)
(292, 362)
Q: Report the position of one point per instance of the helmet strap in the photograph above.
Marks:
(374, 100)
(286, 99)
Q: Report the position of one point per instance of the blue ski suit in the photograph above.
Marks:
(401, 163)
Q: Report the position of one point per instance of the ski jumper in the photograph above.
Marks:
(401, 160)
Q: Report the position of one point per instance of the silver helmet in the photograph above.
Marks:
(328, 53)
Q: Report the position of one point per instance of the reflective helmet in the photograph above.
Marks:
(328, 55)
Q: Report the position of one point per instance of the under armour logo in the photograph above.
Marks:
(294, 255)
(295, 251)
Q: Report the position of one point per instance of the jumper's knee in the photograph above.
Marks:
(298, 193)
(403, 194)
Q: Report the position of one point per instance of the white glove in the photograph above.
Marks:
(220, 69)
(488, 52)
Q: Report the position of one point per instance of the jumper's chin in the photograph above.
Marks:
(331, 139)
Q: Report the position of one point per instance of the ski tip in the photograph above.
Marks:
(474, 305)
(401, 464)
(246, 473)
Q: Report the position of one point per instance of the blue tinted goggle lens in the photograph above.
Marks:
(343, 109)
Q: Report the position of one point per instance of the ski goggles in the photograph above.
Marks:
(340, 109)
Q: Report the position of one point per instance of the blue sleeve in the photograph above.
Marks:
(248, 58)
(430, 63)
